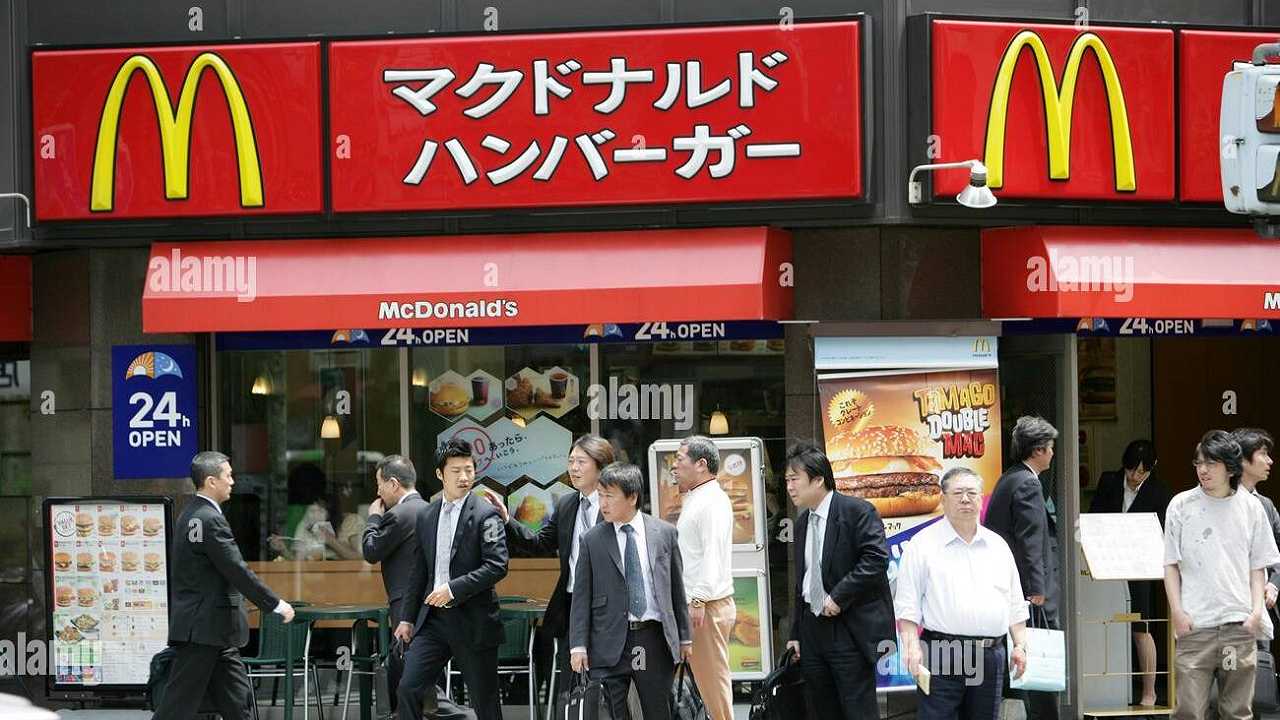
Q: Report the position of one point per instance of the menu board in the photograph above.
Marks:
(749, 646)
(108, 589)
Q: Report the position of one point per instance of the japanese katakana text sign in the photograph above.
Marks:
(600, 118)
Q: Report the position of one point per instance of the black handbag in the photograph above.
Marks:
(585, 699)
(686, 701)
(1266, 696)
(382, 680)
(781, 696)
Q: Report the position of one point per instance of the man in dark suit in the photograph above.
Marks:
(464, 555)
(1135, 489)
(1019, 514)
(208, 584)
(389, 538)
(629, 621)
(574, 514)
(843, 622)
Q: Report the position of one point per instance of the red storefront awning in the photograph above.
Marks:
(15, 298)
(1080, 271)
(468, 281)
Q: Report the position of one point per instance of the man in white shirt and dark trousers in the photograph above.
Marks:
(958, 581)
(628, 621)
(1217, 548)
(706, 547)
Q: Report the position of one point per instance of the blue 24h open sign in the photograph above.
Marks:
(154, 410)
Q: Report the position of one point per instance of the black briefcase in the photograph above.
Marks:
(781, 697)
(585, 699)
(158, 682)
(686, 701)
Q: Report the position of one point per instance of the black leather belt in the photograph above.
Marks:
(986, 642)
(641, 624)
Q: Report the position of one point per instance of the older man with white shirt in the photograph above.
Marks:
(958, 581)
(706, 547)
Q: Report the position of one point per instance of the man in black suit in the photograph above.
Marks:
(843, 622)
(389, 538)
(629, 621)
(574, 514)
(464, 555)
(1136, 489)
(1019, 514)
(208, 584)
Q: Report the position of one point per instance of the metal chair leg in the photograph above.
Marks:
(319, 701)
(551, 684)
(351, 673)
(533, 703)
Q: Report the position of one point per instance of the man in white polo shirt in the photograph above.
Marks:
(958, 581)
(706, 547)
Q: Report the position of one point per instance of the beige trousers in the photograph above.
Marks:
(710, 663)
(1233, 654)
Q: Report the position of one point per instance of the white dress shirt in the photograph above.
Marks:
(580, 527)
(444, 541)
(960, 588)
(706, 542)
(1129, 495)
(821, 512)
(280, 606)
(642, 546)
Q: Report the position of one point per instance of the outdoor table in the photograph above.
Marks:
(360, 615)
(532, 610)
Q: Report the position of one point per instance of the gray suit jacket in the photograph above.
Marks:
(389, 539)
(598, 616)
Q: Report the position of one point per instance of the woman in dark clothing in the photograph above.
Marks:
(1135, 489)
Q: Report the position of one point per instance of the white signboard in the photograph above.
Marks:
(1123, 546)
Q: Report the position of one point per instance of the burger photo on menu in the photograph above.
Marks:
(888, 466)
(62, 561)
(129, 525)
(84, 562)
(84, 524)
(106, 525)
(107, 561)
(151, 526)
(63, 596)
(129, 561)
(151, 562)
(87, 596)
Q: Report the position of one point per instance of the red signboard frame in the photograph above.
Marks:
(381, 138)
(177, 131)
(1086, 166)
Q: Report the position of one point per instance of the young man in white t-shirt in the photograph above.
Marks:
(1218, 545)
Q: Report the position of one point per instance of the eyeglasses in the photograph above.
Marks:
(965, 494)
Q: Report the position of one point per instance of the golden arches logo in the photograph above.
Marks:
(175, 131)
(1058, 103)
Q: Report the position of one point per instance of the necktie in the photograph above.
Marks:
(444, 542)
(635, 580)
(815, 590)
(586, 521)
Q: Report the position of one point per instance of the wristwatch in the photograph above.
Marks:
(697, 603)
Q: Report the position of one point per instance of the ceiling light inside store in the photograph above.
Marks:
(329, 429)
(719, 424)
(419, 377)
(261, 386)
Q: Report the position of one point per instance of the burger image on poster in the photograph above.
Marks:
(889, 466)
(449, 397)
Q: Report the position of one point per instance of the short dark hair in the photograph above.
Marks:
(596, 448)
(398, 468)
(810, 459)
(454, 448)
(1139, 452)
(956, 472)
(1252, 440)
(701, 447)
(1031, 433)
(624, 476)
(1219, 446)
(206, 464)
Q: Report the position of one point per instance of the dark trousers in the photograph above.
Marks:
(443, 637)
(439, 706)
(840, 682)
(652, 670)
(956, 689)
(204, 670)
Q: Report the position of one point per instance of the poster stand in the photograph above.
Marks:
(107, 589)
(1124, 546)
(744, 470)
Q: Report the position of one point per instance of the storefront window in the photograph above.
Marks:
(305, 429)
(520, 406)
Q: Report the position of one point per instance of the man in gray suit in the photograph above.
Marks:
(388, 539)
(629, 621)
